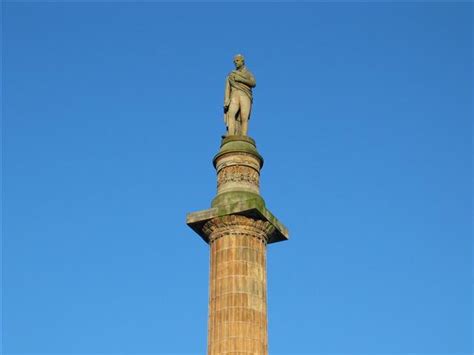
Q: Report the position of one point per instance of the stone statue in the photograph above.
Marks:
(238, 98)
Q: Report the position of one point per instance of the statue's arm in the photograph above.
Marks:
(227, 95)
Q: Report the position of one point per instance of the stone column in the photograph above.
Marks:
(238, 289)
(237, 228)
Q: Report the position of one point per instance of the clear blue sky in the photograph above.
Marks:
(112, 113)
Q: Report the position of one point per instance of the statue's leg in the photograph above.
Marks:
(231, 113)
(238, 124)
(245, 107)
(230, 125)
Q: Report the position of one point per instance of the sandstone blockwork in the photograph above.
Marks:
(238, 289)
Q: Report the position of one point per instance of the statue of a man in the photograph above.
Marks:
(238, 98)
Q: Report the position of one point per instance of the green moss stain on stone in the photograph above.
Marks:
(232, 197)
(238, 144)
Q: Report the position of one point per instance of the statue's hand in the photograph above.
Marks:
(238, 77)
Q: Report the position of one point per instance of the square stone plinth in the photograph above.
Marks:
(250, 208)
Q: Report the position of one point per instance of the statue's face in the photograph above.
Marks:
(239, 62)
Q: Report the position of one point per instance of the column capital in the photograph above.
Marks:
(251, 208)
(238, 225)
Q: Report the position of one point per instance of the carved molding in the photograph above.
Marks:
(238, 173)
(238, 225)
(238, 159)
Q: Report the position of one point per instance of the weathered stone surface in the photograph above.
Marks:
(238, 176)
(253, 208)
(238, 290)
(236, 145)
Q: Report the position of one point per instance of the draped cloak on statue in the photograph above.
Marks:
(231, 85)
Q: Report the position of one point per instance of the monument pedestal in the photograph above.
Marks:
(237, 227)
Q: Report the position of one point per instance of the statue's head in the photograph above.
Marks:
(239, 61)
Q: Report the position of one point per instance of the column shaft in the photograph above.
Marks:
(238, 290)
